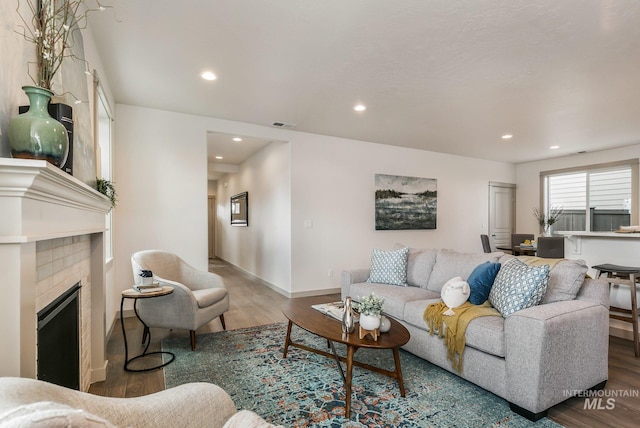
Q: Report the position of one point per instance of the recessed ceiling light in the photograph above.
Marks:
(554, 147)
(360, 107)
(207, 75)
(219, 157)
(238, 139)
(507, 136)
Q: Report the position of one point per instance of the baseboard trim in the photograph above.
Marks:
(288, 294)
(311, 293)
(99, 374)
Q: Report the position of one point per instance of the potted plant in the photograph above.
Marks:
(107, 188)
(370, 309)
(547, 220)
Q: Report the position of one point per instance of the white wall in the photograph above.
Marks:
(264, 247)
(333, 189)
(528, 179)
(161, 179)
(161, 156)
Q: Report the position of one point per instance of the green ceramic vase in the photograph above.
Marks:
(35, 134)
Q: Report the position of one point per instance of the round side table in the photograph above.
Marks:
(135, 295)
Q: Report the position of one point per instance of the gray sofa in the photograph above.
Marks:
(535, 358)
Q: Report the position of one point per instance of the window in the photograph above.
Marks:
(596, 198)
(103, 136)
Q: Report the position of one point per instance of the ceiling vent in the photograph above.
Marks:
(283, 125)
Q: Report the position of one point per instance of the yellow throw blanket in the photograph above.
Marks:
(539, 261)
(456, 326)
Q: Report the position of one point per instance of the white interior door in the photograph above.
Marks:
(502, 206)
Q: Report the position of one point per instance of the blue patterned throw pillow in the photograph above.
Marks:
(389, 267)
(518, 286)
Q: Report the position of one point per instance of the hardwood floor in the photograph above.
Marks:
(252, 303)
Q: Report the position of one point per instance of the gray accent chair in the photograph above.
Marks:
(198, 297)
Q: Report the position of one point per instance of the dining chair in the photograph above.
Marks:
(550, 247)
(486, 245)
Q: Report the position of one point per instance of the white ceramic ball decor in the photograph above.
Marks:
(385, 324)
(369, 322)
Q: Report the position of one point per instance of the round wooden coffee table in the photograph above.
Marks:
(300, 313)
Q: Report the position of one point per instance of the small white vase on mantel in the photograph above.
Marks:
(369, 322)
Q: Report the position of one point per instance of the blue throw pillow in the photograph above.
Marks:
(481, 280)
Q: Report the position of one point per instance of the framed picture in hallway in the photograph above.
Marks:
(405, 203)
(240, 209)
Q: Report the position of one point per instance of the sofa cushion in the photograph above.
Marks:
(487, 334)
(420, 262)
(565, 280)
(389, 267)
(484, 333)
(395, 298)
(565, 277)
(518, 286)
(451, 263)
(414, 311)
(481, 280)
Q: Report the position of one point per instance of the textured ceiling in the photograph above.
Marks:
(447, 76)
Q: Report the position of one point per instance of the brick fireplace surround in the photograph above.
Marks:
(51, 237)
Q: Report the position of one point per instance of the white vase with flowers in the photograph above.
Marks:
(370, 309)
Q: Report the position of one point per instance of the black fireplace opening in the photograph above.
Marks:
(59, 340)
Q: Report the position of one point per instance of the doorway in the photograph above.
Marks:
(502, 207)
(212, 226)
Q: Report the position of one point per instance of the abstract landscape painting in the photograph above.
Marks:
(405, 203)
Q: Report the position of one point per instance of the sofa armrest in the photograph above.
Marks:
(353, 276)
(553, 349)
(595, 291)
(174, 310)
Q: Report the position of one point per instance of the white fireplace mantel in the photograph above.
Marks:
(40, 202)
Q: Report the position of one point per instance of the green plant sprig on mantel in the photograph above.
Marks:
(50, 30)
(107, 188)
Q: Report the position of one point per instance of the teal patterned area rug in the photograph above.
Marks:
(306, 389)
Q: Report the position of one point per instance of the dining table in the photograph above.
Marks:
(519, 250)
